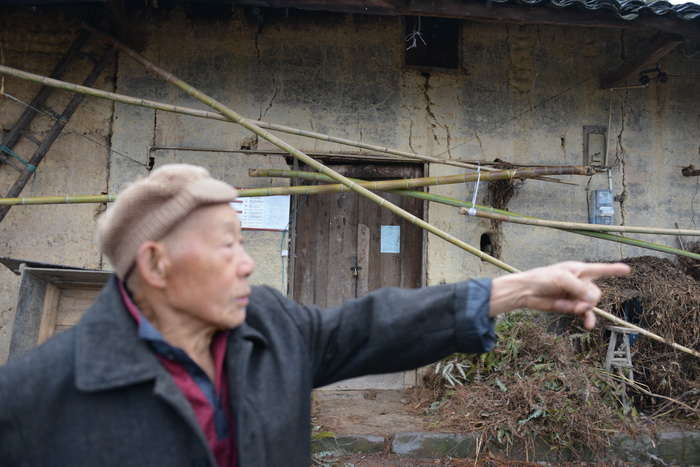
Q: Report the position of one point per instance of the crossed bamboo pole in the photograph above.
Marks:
(596, 310)
(485, 210)
(530, 172)
(580, 226)
(297, 154)
(257, 192)
(235, 117)
(146, 103)
(51, 82)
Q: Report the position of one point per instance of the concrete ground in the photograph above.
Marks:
(377, 428)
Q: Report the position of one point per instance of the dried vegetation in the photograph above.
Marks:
(554, 385)
(669, 381)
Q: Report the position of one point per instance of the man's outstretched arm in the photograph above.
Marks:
(563, 288)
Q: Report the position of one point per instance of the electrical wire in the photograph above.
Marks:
(60, 119)
(530, 109)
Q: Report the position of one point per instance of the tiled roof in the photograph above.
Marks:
(624, 9)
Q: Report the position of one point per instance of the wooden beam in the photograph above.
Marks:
(495, 12)
(47, 325)
(659, 48)
(119, 21)
(30, 305)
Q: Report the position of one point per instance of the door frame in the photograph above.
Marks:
(394, 170)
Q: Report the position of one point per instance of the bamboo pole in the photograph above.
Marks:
(247, 193)
(55, 83)
(596, 310)
(425, 181)
(582, 226)
(297, 154)
(457, 203)
(343, 180)
(33, 201)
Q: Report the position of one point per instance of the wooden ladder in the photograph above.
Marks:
(619, 357)
(20, 128)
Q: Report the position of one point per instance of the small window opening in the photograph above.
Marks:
(208, 11)
(432, 42)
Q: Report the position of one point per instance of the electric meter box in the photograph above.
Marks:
(601, 207)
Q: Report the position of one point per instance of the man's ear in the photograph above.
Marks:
(152, 263)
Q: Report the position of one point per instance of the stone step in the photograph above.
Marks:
(670, 447)
(379, 422)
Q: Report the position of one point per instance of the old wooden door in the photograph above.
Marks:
(346, 246)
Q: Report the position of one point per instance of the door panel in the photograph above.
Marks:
(338, 256)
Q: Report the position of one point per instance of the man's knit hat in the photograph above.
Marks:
(151, 207)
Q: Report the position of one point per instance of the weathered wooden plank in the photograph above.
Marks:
(61, 329)
(343, 249)
(71, 278)
(659, 48)
(48, 313)
(363, 240)
(492, 12)
(390, 263)
(322, 218)
(25, 331)
(305, 252)
(88, 293)
(412, 245)
(70, 305)
(69, 317)
(369, 215)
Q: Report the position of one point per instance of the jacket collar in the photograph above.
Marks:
(109, 353)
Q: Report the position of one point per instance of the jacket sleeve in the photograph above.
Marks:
(393, 329)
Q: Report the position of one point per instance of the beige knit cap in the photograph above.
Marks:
(150, 207)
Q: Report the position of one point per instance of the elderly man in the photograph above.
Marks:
(181, 362)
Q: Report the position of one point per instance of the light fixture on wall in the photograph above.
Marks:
(645, 79)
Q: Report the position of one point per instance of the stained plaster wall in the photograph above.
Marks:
(523, 94)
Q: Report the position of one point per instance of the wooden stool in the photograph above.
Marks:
(619, 356)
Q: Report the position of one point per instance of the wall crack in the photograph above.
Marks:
(620, 158)
(431, 115)
(272, 77)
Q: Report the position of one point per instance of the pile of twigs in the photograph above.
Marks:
(555, 386)
(670, 300)
(533, 385)
(501, 191)
(689, 265)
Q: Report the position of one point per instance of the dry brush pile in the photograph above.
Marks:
(669, 295)
(554, 386)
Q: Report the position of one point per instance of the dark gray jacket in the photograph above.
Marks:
(95, 395)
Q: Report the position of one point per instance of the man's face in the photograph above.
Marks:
(209, 268)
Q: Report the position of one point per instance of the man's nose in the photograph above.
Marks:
(247, 265)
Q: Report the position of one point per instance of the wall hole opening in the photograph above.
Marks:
(485, 244)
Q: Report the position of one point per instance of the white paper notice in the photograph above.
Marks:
(391, 239)
(263, 213)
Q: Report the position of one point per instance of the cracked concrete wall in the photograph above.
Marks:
(525, 97)
(523, 94)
